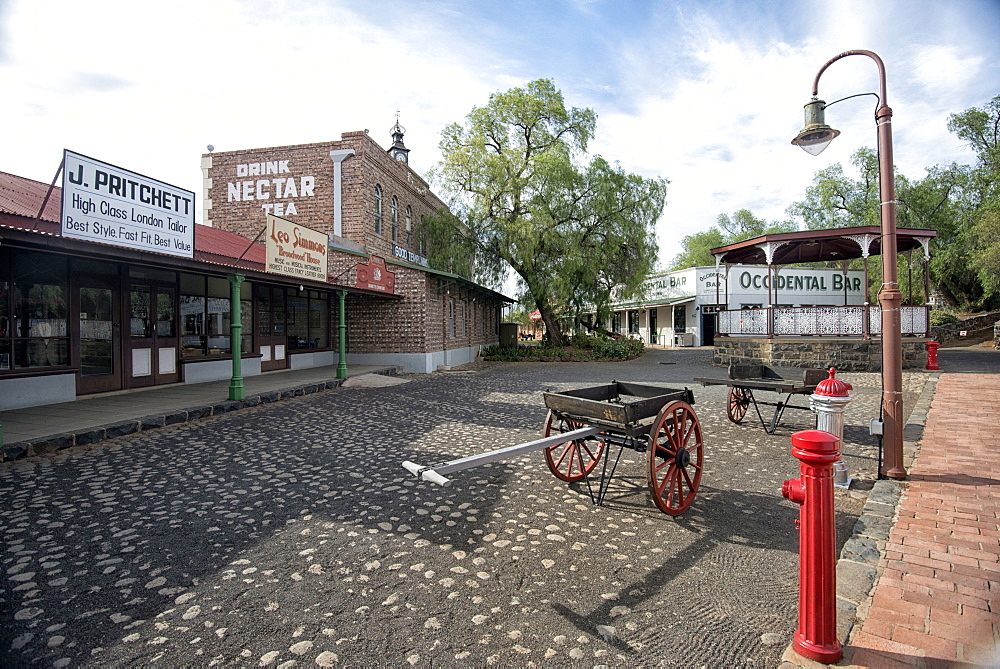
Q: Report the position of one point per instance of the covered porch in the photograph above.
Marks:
(818, 335)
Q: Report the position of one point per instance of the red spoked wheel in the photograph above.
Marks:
(739, 400)
(571, 460)
(675, 458)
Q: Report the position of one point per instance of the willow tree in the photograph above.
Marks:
(522, 200)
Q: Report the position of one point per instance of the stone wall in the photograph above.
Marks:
(847, 355)
(979, 328)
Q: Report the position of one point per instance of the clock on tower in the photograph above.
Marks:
(398, 150)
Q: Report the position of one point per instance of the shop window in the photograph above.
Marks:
(5, 313)
(680, 315)
(308, 319)
(378, 209)
(246, 321)
(205, 316)
(395, 218)
(409, 227)
(319, 319)
(33, 311)
(193, 331)
(96, 318)
(633, 322)
(297, 316)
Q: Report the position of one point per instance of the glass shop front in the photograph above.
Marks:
(121, 325)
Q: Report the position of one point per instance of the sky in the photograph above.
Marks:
(706, 94)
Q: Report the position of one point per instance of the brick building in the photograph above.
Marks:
(371, 204)
(107, 283)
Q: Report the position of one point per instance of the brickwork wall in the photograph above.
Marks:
(848, 355)
(419, 323)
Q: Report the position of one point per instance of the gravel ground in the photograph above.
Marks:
(289, 535)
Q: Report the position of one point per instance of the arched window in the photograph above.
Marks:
(409, 228)
(395, 218)
(378, 209)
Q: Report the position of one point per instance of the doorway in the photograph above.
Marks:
(95, 316)
(708, 326)
(271, 340)
(652, 326)
(153, 336)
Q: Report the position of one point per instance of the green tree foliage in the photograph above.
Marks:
(523, 201)
(954, 200)
(980, 232)
(742, 225)
(697, 249)
(837, 201)
(519, 316)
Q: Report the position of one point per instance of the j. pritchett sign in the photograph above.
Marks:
(111, 205)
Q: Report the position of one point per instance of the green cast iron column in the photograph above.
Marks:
(237, 391)
(342, 364)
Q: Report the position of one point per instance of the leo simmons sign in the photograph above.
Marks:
(111, 205)
(294, 250)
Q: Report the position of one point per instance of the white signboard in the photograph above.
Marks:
(104, 203)
(295, 250)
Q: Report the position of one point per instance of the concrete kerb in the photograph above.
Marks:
(861, 560)
(59, 442)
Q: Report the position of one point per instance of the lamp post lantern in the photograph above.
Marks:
(814, 138)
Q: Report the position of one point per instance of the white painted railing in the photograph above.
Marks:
(819, 321)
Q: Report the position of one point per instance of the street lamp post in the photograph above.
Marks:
(815, 137)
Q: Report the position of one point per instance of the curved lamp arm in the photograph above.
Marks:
(856, 52)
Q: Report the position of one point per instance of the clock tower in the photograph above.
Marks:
(398, 151)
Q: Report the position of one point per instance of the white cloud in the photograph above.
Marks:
(232, 74)
(706, 95)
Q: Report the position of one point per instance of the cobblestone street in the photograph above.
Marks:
(289, 534)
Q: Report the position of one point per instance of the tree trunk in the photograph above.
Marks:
(552, 331)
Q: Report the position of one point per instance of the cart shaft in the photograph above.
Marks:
(434, 473)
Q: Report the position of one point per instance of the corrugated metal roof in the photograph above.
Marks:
(23, 197)
(227, 244)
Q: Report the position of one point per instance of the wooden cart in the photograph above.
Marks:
(582, 424)
(744, 379)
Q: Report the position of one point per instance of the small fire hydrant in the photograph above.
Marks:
(932, 363)
(829, 402)
(816, 636)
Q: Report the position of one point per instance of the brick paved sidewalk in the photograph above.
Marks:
(937, 602)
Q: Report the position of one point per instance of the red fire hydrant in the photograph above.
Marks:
(932, 363)
(816, 637)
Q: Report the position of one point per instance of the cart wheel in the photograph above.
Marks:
(739, 400)
(675, 458)
(572, 460)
